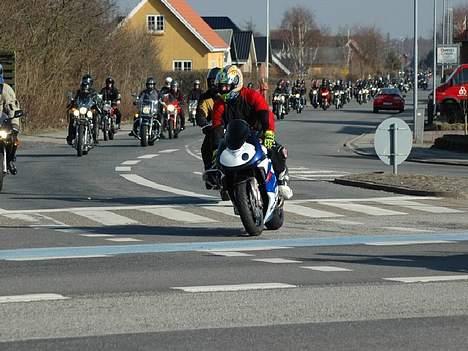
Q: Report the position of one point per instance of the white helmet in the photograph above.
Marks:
(168, 81)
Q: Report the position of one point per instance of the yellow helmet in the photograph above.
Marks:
(229, 82)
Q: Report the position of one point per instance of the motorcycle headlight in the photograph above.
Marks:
(146, 110)
(283, 99)
(3, 134)
(298, 96)
(76, 113)
(83, 110)
(171, 108)
(89, 114)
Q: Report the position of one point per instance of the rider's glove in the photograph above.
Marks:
(269, 139)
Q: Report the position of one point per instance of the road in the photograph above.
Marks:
(124, 249)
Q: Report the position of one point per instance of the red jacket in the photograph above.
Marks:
(250, 106)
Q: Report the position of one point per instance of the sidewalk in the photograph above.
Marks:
(364, 145)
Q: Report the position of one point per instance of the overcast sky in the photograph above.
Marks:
(392, 16)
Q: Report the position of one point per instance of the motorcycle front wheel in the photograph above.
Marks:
(80, 141)
(277, 220)
(144, 136)
(251, 215)
(1, 169)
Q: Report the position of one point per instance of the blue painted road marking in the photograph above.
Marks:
(237, 245)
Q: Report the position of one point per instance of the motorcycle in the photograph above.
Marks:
(147, 127)
(246, 173)
(298, 103)
(108, 119)
(338, 99)
(314, 98)
(279, 108)
(193, 104)
(171, 116)
(325, 99)
(5, 140)
(83, 121)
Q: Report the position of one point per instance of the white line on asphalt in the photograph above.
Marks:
(297, 168)
(342, 222)
(130, 163)
(410, 230)
(31, 298)
(371, 199)
(135, 178)
(368, 210)
(68, 231)
(225, 210)
(276, 260)
(21, 217)
(413, 205)
(229, 253)
(409, 242)
(258, 248)
(123, 169)
(168, 151)
(147, 157)
(97, 235)
(327, 269)
(187, 149)
(429, 279)
(106, 217)
(235, 287)
(123, 240)
(312, 176)
(177, 215)
(318, 173)
(308, 212)
(198, 173)
(47, 258)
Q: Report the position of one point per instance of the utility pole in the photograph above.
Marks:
(434, 67)
(267, 69)
(444, 17)
(416, 58)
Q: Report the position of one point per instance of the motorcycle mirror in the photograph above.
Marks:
(18, 114)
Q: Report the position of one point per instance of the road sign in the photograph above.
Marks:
(393, 142)
(448, 54)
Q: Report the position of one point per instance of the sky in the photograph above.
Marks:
(391, 16)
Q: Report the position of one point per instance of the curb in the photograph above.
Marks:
(398, 190)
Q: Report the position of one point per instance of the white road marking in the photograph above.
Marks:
(317, 172)
(298, 168)
(31, 298)
(371, 199)
(46, 258)
(168, 151)
(97, 235)
(149, 184)
(410, 230)
(409, 242)
(368, 210)
(258, 248)
(235, 287)
(68, 231)
(179, 215)
(187, 149)
(106, 217)
(342, 222)
(309, 212)
(327, 269)
(428, 279)
(123, 169)
(147, 157)
(307, 176)
(21, 217)
(130, 162)
(275, 260)
(123, 240)
(229, 253)
(413, 205)
(225, 210)
(198, 173)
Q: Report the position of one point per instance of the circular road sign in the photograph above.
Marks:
(393, 141)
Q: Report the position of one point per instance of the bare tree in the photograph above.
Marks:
(371, 45)
(460, 19)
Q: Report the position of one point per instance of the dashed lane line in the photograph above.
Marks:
(168, 151)
(31, 298)
(107, 218)
(429, 279)
(148, 157)
(130, 162)
(327, 269)
(276, 260)
(123, 240)
(123, 169)
(365, 209)
(234, 287)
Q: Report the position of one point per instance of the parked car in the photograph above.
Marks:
(389, 99)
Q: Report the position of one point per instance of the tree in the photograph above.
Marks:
(371, 44)
(392, 61)
(460, 19)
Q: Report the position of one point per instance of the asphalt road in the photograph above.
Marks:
(124, 249)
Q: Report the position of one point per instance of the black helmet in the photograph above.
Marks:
(196, 83)
(174, 84)
(85, 87)
(150, 83)
(110, 82)
(87, 79)
(211, 77)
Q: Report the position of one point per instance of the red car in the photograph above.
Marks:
(389, 99)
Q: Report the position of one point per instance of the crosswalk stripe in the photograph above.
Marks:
(368, 210)
(225, 210)
(106, 217)
(309, 212)
(178, 215)
(414, 205)
(21, 217)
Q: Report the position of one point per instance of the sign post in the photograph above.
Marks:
(393, 142)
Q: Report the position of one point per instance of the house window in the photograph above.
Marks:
(182, 65)
(155, 24)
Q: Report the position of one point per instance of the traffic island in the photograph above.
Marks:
(452, 142)
(409, 184)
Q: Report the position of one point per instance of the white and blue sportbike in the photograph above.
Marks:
(245, 172)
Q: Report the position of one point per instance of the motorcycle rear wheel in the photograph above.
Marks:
(252, 218)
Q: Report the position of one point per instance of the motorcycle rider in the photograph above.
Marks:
(86, 90)
(194, 95)
(111, 93)
(248, 104)
(338, 88)
(167, 87)
(324, 87)
(177, 93)
(9, 105)
(151, 94)
(205, 117)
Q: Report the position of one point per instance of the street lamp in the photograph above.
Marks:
(267, 69)
(416, 58)
(434, 66)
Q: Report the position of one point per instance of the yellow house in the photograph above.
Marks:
(184, 40)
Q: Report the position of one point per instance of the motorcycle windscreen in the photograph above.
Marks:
(237, 133)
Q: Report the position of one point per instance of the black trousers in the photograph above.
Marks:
(207, 149)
